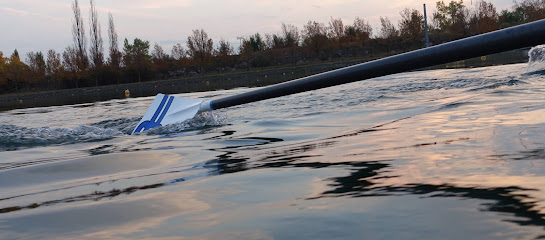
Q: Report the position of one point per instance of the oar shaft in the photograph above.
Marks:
(526, 35)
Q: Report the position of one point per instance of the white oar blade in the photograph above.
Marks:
(167, 109)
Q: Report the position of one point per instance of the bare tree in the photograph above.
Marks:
(336, 28)
(115, 54)
(388, 30)
(200, 46)
(96, 51)
(115, 58)
(78, 33)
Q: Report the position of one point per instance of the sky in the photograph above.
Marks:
(40, 25)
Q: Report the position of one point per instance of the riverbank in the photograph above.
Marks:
(212, 82)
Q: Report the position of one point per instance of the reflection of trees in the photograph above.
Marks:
(362, 181)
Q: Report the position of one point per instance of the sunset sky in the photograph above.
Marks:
(39, 25)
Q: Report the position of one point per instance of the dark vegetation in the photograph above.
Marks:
(86, 64)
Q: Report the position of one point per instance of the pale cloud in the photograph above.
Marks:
(14, 11)
(22, 13)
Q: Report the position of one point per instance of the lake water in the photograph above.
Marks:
(442, 154)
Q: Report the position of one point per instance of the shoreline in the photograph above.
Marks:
(251, 78)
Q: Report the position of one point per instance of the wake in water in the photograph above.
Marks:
(14, 137)
(536, 63)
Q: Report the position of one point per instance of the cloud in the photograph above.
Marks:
(14, 11)
(21, 13)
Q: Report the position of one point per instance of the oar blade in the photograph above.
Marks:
(167, 109)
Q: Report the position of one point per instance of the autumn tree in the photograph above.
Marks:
(315, 36)
(451, 18)
(36, 63)
(53, 65)
(78, 34)
(359, 31)
(16, 70)
(136, 57)
(200, 47)
(411, 25)
(290, 37)
(70, 64)
(97, 50)
(388, 33)
(487, 18)
(532, 9)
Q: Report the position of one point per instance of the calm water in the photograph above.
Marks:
(444, 154)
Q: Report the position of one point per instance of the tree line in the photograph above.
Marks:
(85, 63)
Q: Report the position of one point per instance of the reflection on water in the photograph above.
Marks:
(437, 152)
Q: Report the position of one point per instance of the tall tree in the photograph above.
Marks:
(200, 46)
(80, 42)
(136, 57)
(411, 25)
(115, 58)
(97, 50)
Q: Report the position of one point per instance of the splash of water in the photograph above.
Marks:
(13, 137)
(200, 121)
(536, 63)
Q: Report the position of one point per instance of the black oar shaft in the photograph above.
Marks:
(526, 35)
